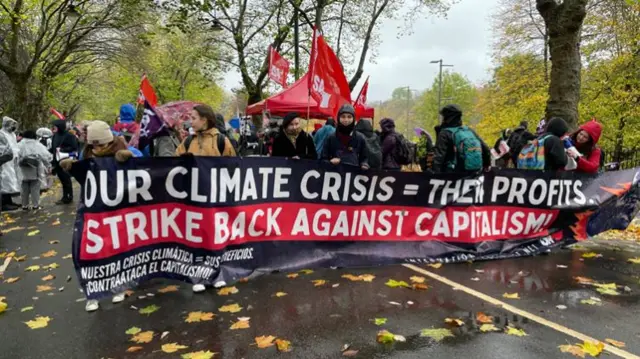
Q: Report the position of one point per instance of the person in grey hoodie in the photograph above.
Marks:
(373, 143)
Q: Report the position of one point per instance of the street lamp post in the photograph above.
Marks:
(440, 81)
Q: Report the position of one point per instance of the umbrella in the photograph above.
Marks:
(173, 114)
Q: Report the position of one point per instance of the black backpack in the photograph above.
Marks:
(402, 150)
(221, 143)
(375, 151)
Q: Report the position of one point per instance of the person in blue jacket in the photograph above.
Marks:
(346, 145)
(323, 133)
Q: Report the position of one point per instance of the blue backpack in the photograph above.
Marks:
(467, 150)
(532, 156)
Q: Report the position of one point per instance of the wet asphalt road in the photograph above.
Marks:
(318, 321)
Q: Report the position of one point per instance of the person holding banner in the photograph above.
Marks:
(588, 154)
(346, 146)
(205, 141)
(101, 143)
(292, 141)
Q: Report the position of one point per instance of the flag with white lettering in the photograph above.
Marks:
(206, 219)
(278, 67)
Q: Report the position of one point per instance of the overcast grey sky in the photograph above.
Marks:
(463, 39)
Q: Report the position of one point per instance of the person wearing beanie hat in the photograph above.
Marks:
(517, 140)
(101, 143)
(446, 157)
(346, 146)
(292, 141)
(555, 156)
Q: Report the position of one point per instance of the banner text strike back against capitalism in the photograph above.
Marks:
(203, 220)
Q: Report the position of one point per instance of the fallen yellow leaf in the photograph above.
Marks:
(228, 290)
(435, 265)
(143, 337)
(55, 241)
(12, 280)
(240, 324)
(420, 286)
(198, 355)
(48, 277)
(21, 258)
(615, 343)
(133, 331)
(283, 345)
(306, 271)
(133, 349)
(319, 282)
(149, 309)
(488, 328)
(583, 280)
(265, 341)
(33, 233)
(26, 309)
(591, 348)
(51, 266)
(3, 305)
(172, 347)
(199, 317)
(231, 308)
(483, 318)
(48, 254)
(68, 256)
(453, 321)
(169, 288)
(292, 275)
(38, 322)
(44, 288)
(32, 268)
(515, 331)
(367, 277)
(417, 279)
(280, 294)
(56, 222)
(511, 296)
(635, 260)
(590, 255)
(572, 349)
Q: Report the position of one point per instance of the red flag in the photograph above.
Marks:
(328, 84)
(147, 93)
(56, 113)
(361, 100)
(278, 67)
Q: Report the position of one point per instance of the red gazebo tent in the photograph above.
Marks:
(293, 99)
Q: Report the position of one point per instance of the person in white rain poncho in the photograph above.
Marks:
(11, 177)
(33, 158)
(44, 135)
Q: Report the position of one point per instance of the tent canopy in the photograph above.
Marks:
(293, 99)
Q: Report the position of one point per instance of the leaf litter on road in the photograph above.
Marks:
(231, 308)
(228, 290)
(198, 355)
(38, 322)
(169, 289)
(48, 277)
(511, 296)
(32, 268)
(283, 345)
(591, 348)
(134, 349)
(419, 286)
(435, 265)
(483, 318)
(437, 334)
(292, 275)
(615, 343)
(515, 331)
(172, 347)
(592, 301)
(454, 321)
(133, 331)
(51, 266)
(635, 260)
(386, 337)
(148, 310)
(306, 271)
(572, 349)
(392, 283)
(489, 328)
(380, 321)
(33, 233)
(143, 337)
(12, 280)
(240, 324)
(265, 341)
(44, 288)
(319, 282)
(280, 294)
(195, 317)
(417, 279)
(359, 278)
(26, 309)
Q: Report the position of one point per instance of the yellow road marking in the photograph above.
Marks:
(611, 349)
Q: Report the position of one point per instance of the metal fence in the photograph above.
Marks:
(628, 158)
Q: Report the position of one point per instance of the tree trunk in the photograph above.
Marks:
(563, 23)
(546, 57)
(619, 146)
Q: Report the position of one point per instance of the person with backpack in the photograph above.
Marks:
(547, 152)
(519, 138)
(365, 127)
(207, 139)
(588, 155)
(323, 133)
(292, 141)
(346, 146)
(458, 148)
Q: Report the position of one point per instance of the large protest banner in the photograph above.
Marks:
(203, 220)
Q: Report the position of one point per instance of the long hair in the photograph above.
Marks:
(208, 113)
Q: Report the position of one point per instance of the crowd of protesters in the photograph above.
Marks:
(27, 158)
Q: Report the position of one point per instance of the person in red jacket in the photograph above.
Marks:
(585, 140)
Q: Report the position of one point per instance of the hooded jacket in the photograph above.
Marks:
(32, 149)
(555, 156)
(373, 143)
(62, 139)
(444, 151)
(10, 174)
(323, 133)
(389, 140)
(352, 152)
(589, 162)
